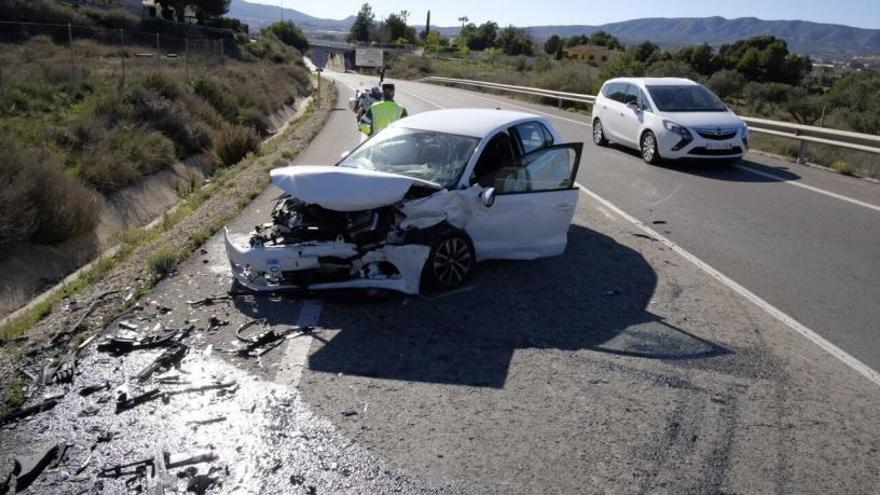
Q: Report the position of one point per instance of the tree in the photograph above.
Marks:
(289, 34)
(515, 41)
(804, 107)
(727, 83)
(478, 37)
(643, 51)
(577, 40)
(671, 68)
(206, 9)
(396, 29)
(363, 25)
(623, 65)
(601, 38)
(552, 45)
(435, 40)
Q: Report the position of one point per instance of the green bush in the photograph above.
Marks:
(39, 201)
(124, 157)
(234, 143)
(251, 117)
(217, 95)
(162, 262)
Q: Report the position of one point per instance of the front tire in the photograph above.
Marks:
(599, 138)
(648, 148)
(450, 262)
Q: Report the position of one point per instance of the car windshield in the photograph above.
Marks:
(685, 98)
(427, 155)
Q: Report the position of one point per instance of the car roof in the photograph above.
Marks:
(474, 122)
(655, 81)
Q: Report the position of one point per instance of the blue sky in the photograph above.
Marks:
(859, 13)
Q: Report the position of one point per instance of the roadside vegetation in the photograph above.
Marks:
(757, 77)
(81, 120)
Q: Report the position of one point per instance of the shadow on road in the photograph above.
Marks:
(594, 297)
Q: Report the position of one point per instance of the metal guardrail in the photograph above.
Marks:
(868, 143)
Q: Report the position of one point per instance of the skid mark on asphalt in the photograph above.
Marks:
(297, 350)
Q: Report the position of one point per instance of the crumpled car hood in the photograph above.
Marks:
(343, 188)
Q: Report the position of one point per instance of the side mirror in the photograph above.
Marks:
(352, 102)
(344, 155)
(488, 196)
(634, 105)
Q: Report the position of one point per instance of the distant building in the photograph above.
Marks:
(593, 54)
(154, 9)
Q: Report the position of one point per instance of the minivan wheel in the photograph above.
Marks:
(450, 262)
(649, 148)
(599, 133)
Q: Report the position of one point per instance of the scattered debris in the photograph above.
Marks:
(91, 389)
(124, 402)
(79, 323)
(206, 421)
(28, 469)
(349, 412)
(209, 301)
(125, 342)
(25, 411)
(643, 236)
(169, 358)
(167, 461)
(265, 340)
(215, 323)
(659, 222)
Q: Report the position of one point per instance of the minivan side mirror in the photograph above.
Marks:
(488, 196)
(634, 105)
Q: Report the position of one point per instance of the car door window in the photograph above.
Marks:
(497, 154)
(547, 169)
(631, 95)
(533, 136)
(618, 92)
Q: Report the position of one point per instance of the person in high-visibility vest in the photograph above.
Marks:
(382, 113)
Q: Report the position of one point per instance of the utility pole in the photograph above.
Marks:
(282, 10)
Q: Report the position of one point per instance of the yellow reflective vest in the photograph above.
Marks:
(380, 115)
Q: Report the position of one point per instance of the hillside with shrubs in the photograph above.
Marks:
(81, 120)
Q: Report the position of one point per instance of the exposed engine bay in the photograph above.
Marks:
(336, 239)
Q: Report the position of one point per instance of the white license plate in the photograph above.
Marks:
(719, 146)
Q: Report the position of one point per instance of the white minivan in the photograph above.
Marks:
(668, 118)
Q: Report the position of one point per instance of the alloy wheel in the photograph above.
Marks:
(452, 261)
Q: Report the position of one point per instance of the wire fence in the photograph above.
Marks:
(117, 51)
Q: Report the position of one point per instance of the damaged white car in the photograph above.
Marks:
(417, 206)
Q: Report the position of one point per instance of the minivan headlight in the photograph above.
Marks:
(673, 127)
(745, 130)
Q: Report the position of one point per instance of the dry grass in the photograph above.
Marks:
(234, 143)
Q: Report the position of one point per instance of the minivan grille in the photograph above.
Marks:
(717, 134)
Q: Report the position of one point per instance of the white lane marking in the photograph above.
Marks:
(741, 167)
(773, 311)
(808, 187)
(430, 102)
(297, 350)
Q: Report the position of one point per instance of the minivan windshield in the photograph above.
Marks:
(427, 155)
(685, 98)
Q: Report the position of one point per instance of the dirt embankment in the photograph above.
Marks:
(34, 268)
(223, 198)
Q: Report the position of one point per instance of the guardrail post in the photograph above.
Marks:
(122, 52)
(559, 103)
(802, 153)
(158, 50)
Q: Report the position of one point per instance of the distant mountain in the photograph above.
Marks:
(804, 37)
(257, 15)
(808, 38)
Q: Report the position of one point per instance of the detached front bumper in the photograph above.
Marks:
(266, 268)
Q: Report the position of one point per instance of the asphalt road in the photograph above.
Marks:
(619, 366)
(814, 256)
